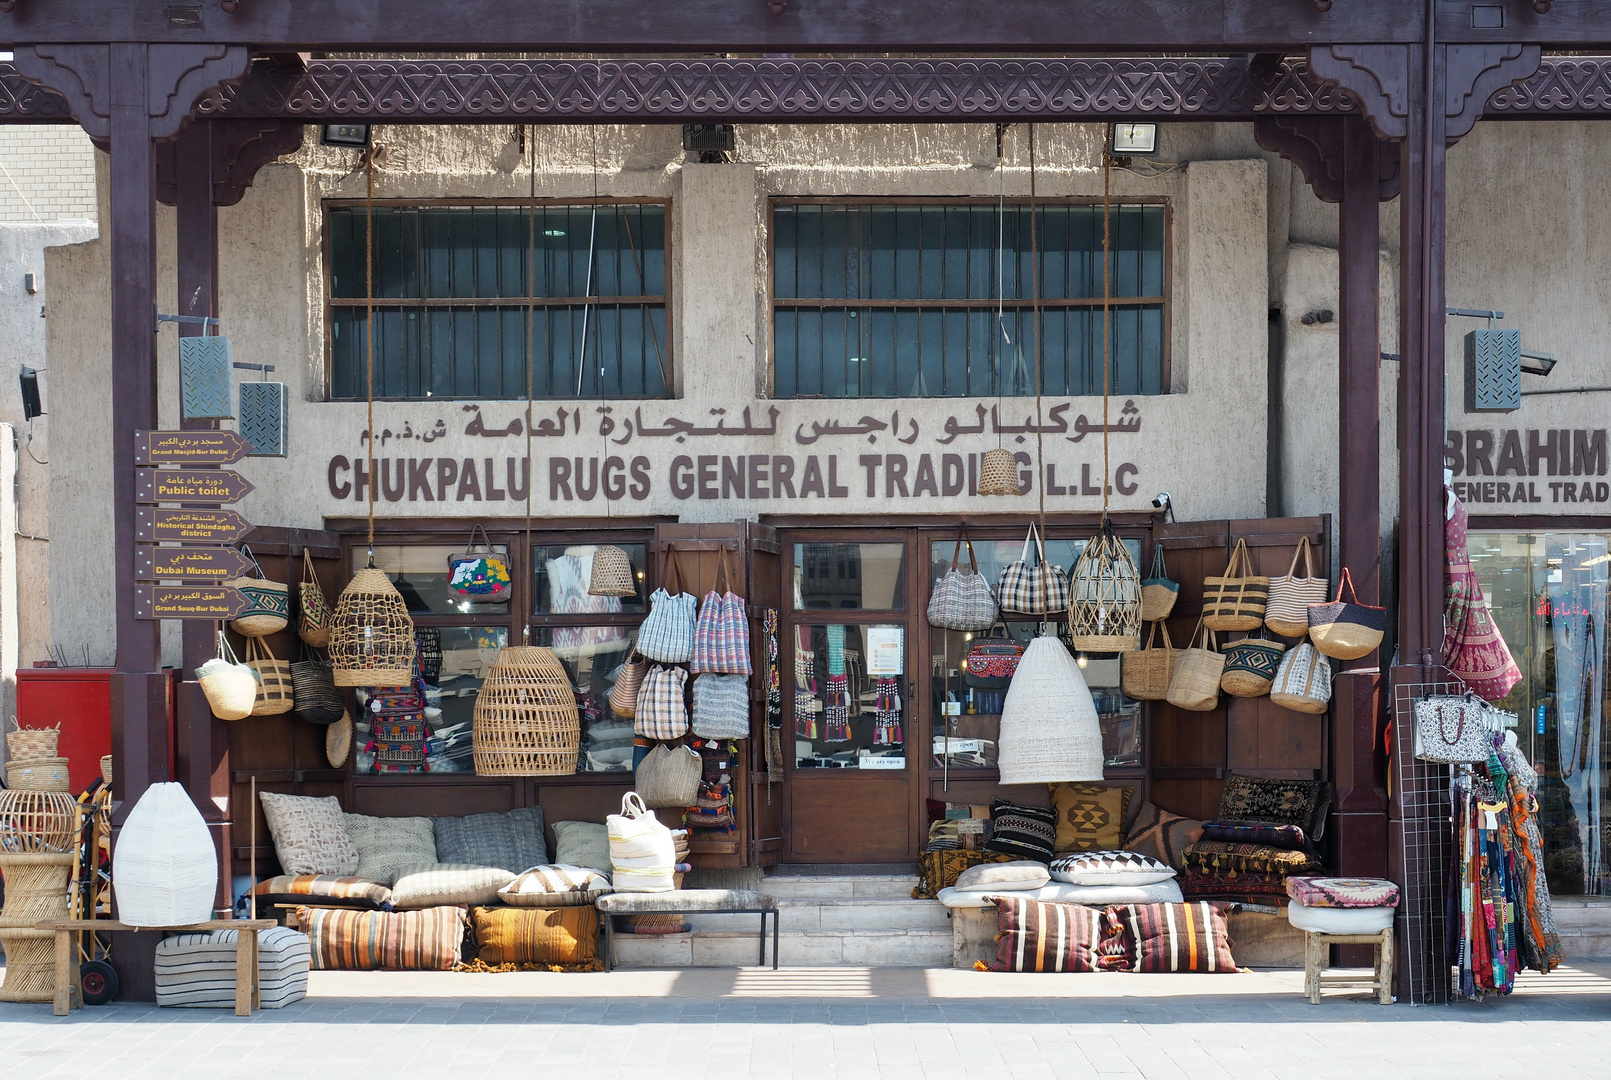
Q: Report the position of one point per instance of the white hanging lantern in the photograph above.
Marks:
(165, 867)
(1050, 733)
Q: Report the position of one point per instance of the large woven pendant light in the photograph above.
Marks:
(526, 722)
(1050, 733)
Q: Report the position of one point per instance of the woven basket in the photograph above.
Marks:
(1104, 608)
(526, 723)
(36, 886)
(106, 769)
(41, 774)
(1236, 600)
(1346, 629)
(371, 634)
(30, 965)
(1250, 666)
(37, 821)
(313, 616)
(628, 681)
(1050, 731)
(1287, 611)
(30, 744)
(1146, 673)
(668, 776)
(998, 473)
(612, 573)
(274, 689)
(230, 686)
(270, 608)
(166, 865)
(1158, 591)
(1195, 685)
(338, 741)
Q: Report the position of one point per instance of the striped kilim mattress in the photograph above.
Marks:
(198, 970)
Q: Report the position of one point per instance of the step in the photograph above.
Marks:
(1582, 912)
(835, 913)
(882, 886)
(1586, 944)
(814, 948)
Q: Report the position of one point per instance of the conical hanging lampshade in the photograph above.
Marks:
(371, 633)
(998, 473)
(1104, 610)
(612, 573)
(1050, 733)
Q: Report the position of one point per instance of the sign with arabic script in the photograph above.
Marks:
(189, 447)
(187, 602)
(214, 564)
(205, 526)
(190, 485)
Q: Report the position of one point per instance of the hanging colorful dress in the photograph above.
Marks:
(1540, 941)
(1473, 648)
(836, 696)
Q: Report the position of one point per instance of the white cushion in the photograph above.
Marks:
(1161, 892)
(1336, 920)
(439, 884)
(1003, 877)
(555, 885)
(1110, 868)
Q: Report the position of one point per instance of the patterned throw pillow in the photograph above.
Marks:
(1110, 868)
(1338, 892)
(1163, 835)
(425, 940)
(1290, 837)
(1024, 832)
(429, 886)
(310, 835)
(555, 885)
(1240, 858)
(567, 935)
(1245, 888)
(387, 845)
(1039, 936)
(329, 890)
(1003, 877)
(1177, 937)
(512, 841)
(1089, 817)
(1276, 802)
(583, 843)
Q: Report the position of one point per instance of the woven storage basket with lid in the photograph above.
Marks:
(40, 774)
(1104, 608)
(371, 633)
(31, 744)
(526, 722)
(37, 821)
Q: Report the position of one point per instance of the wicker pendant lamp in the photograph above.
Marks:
(1050, 733)
(612, 573)
(526, 723)
(1104, 611)
(998, 473)
(371, 633)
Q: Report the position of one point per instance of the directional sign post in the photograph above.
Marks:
(190, 486)
(202, 526)
(187, 602)
(200, 564)
(189, 447)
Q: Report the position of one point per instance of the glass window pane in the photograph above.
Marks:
(564, 572)
(849, 576)
(456, 660)
(420, 572)
(592, 656)
(850, 697)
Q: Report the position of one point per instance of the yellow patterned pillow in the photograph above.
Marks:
(1090, 817)
(566, 935)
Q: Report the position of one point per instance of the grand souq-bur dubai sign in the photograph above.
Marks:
(1553, 467)
(881, 466)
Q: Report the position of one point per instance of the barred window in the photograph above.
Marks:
(900, 299)
(462, 292)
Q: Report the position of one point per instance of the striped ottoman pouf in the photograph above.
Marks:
(198, 970)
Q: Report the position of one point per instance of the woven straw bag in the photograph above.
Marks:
(611, 573)
(669, 776)
(628, 681)
(1033, 588)
(318, 700)
(721, 707)
(1250, 666)
(275, 692)
(1195, 684)
(229, 685)
(313, 611)
(1303, 681)
(667, 634)
(1287, 612)
(1146, 673)
(963, 601)
(1236, 600)
(1346, 629)
(1158, 592)
(268, 603)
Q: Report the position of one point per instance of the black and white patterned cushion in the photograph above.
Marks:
(1110, 868)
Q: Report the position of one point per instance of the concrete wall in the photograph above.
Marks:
(47, 173)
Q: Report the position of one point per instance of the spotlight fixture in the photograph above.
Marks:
(31, 404)
(354, 135)
(1134, 139)
(1537, 363)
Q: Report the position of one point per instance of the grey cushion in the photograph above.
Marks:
(447, 883)
(387, 845)
(685, 900)
(511, 841)
(583, 843)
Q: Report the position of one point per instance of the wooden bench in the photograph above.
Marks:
(688, 902)
(68, 997)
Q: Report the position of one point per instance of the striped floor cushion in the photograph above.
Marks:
(423, 940)
(197, 971)
(1177, 937)
(328, 890)
(1039, 936)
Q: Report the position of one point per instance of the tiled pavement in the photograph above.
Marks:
(827, 1023)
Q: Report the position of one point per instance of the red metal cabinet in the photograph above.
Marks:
(80, 700)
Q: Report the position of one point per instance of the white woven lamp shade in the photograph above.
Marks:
(1104, 610)
(165, 867)
(998, 473)
(1050, 733)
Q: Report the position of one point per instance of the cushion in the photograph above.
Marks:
(566, 935)
(512, 841)
(1162, 892)
(1340, 892)
(1238, 858)
(583, 843)
(1177, 937)
(1089, 817)
(1247, 888)
(1340, 920)
(555, 885)
(1003, 877)
(424, 940)
(389, 844)
(937, 870)
(433, 885)
(197, 971)
(1110, 868)
(310, 835)
(1163, 835)
(1291, 837)
(1023, 832)
(1037, 936)
(327, 890)
(1278, 802)
(644, 903)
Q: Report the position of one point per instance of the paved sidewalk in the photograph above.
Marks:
(827, 1024)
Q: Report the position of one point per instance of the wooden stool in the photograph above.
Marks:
(1318, 956)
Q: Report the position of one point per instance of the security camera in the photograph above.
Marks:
(1161, 500)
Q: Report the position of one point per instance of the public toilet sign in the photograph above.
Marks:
(189, 447)
(190, 486)
(203, 526)
(202, 564)
(187, 602)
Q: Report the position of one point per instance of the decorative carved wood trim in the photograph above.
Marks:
(1473, 73)
(1315, 144)
(240, 149)
(80, 75)
(1377, 75)
(1562, 87)
(182, 73)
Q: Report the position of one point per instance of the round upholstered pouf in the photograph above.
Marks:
(1338, 920)
(165, 867)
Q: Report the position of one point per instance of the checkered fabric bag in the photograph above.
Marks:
(1033, 588)
(722, 632)
(667, 635)
(662, 712)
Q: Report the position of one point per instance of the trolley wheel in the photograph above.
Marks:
(97, 982)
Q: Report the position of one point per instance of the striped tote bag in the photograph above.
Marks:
(1287, 610)
(667, 635)
(722, 631)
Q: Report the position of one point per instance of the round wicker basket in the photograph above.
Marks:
(998, 473)
(41, 774)
(371, 634)
(30, 965)
(36, 886)
(612, 573)
(31, 744)
(37, 821)
(526, 723)
(338, 741)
